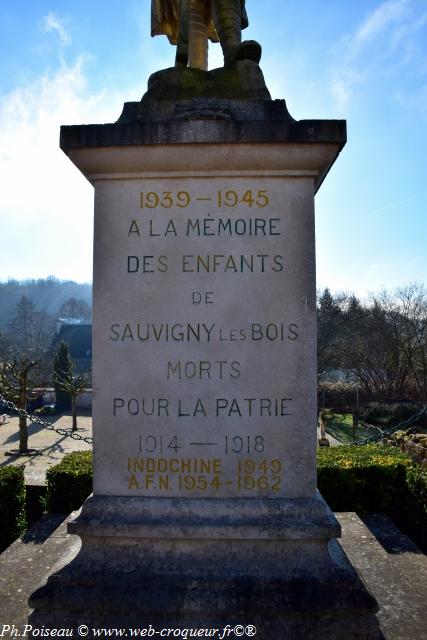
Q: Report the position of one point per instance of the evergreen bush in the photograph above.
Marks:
(12, 505)
(411, 517)
(367, 479)
(371, 478)
(62, 371)
(69, 483)
(391, 415)
(376, 479)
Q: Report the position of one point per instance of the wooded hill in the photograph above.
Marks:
(48, 295)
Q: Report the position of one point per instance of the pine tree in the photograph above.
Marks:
(62, 375)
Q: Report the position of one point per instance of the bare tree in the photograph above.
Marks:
(30, 330)
(329, 329)
(75, 308)
(75, 385)
(385, 343)
(411, 303)
(16, 384)
(22, 326)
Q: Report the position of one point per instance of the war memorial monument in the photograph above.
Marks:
(204, 509)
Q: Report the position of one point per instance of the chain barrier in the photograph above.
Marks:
(47, 425)
(388, 432)
(89, 440)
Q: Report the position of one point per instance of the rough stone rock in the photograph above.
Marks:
(242, 80)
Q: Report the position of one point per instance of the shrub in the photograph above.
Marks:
(411, 515)
(12, 505)
(403, 412)
(339, 393)
(367, 479)
(372, 414)
(391, 415)
(376, 479)
(69, 483)
(417, 485)
(371, 478)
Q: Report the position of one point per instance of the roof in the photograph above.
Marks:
(78, 338)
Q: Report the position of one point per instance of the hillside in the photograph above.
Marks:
(47, 294)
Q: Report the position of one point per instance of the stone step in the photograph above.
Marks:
(390, 564)
(393, 568)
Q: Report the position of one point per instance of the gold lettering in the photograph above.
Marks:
(133, 483)
(163, 483)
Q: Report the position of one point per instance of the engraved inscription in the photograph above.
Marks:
(204, 336)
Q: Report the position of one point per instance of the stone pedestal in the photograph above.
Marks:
(201, 563)
(205, 511)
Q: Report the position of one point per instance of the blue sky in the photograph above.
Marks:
(71, 62)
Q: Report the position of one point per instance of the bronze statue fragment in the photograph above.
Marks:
(191, 23)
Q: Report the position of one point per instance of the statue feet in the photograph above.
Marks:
(249, 50)
(246, 50)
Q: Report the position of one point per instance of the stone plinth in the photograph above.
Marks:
(205, 510)
(201, 563)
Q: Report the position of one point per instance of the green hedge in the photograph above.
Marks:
(417, 484)
(370, 478)
(376, 479)
(411, 516)
(367, 478)
(12, 505)
(69, 483)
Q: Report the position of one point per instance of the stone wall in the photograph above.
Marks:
(414, 444)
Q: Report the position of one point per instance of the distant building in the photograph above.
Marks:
(78, 336)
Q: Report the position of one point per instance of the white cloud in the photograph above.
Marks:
(46, 206)
(342, 84)
(407, 31)
(383, 43)
(51, 22)
(377, 21)
(414, 101)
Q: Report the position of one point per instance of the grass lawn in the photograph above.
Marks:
(340, 426)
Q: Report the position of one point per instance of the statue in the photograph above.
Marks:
(191, 23)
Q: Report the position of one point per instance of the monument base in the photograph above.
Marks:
(230, 178)
(203, 563)
(242, 80)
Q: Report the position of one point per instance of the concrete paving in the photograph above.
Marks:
(391, 566)
(51, 446)
(26, 562)
(394, 570)
(389, 563)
